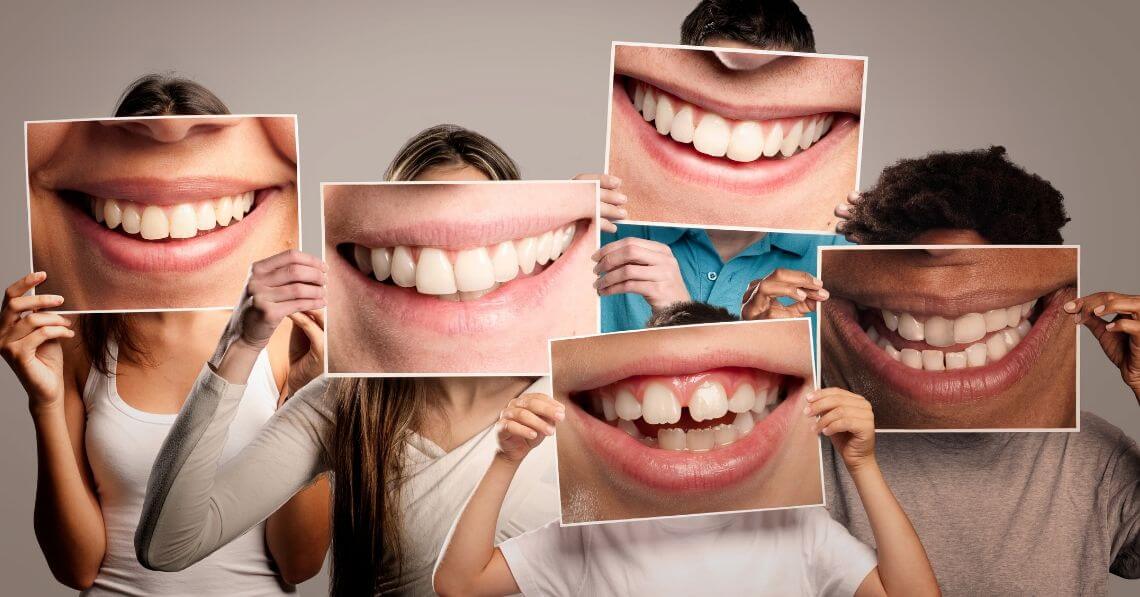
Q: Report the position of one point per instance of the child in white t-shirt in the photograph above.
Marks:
(798, 551)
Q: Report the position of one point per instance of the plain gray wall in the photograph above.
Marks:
(1056, 85)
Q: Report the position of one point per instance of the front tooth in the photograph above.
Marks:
(709, 401)
(995, 319)
(1024, 327)
(671, 439)
(224, 208)
(911, 358)
(699, 440)
(132, 219)
(808, 136)
(747, 142)
(183, 221)
(526, 249)
(505, 261)
(630, 428)
(473, 270)
(664, 116)
(743, 423)
(774, 140)
(996, 347)
(639, 96)
(206, 217)
(911, 328)
(649, 106)
(939, 331)
(976, 354)
(743, 399)
(659, 405)
(956, 360)
(380, 261)
(711, 136)
(112, 213)
(1012, 316)
(891, 320)
(932, 360)
(403, 267)
(683, 127)
(154, 224)
(363, 258)
(555, 244)
(434, 274)
(1027, 308)
(970, 327)
(792, 139)
(609, 409)
(724, 434)
(542, 248)
(626, 406)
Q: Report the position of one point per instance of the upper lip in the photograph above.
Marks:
(937, 302)
(159, 191)
(665, 364)
(452, 233)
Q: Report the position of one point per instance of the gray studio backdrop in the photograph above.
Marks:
(1055, 84)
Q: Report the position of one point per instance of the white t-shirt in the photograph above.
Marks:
(798, 551)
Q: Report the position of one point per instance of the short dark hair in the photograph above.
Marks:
(765, 24)
(980, 190)
(168, 95)
(689, 313)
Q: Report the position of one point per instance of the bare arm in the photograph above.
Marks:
(470, 563)
(904, 568)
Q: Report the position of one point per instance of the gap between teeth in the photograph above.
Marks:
(714, 135)
(182, 220)
(466, 274)
(1011, 325)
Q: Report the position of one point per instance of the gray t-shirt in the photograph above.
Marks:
(1010, 513)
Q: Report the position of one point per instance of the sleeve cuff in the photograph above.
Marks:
(517, 564)
(209, 382)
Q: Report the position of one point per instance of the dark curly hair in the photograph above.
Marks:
(767, 24)
(980, 190)
(689, 313)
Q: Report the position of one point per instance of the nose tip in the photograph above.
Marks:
(172, 129)
(743, 61)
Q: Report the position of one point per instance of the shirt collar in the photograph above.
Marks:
(796, 244)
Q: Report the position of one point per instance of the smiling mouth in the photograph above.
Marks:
(460, 275)
(718, 136)
(695, 413)
(178, 221)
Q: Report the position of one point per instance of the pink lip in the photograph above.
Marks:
(957, 386)
(184, 255)
(677, 471)
(157, 191)
(729, 109)
(496, 311)
(763, 176)
(454, 235)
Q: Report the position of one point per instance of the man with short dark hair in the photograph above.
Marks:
(767, 24)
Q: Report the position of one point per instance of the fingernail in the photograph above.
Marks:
(807, 410)
(823, 293)
(843, 209)
(801, 295)
(1070, 306)
(622, 213)
(58, 300)
(854, 197)
(1111, 326)
(1099, 310)
(621, 198)
(811, 396)
(817, 281)
(41, 274)
(560, 415)
(533, 434)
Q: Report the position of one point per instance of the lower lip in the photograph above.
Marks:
(682, 471)
(182, 255)
(762, 176)
(959, 386)
(500, 309)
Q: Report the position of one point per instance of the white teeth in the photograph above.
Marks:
(956, 360)
(911, 358)
(112, 213)
(671, 439)
(744, 422)
(380, 262)
(774, 140)
(893, 352)
(224, 208)
(1013, 316)
(683, 127)
(527, 250)
(639, 96)
(970, 327)
(630, 428)
(1011, 337)
(743, 399)
(132, 219)
(1023, 328)
(183, 222)
(97, 209)
(995, 319)
(403, 267)
(664, 117)
(1027, 308)
(659, 405)
(932, 360)
(712, 136)
(505, 261)
(555, 244)
(911, 328)
(747, 142)
(609, 409)
(699, 440)
(873, 334)
(154, 224)
(939, 331)
(891, 320)
(792, 140)
(206, 217)
(474, 270)
(363, 258)
(808, 137)
(649, 106)
(709, 401)
(543, 247)
(724, 434)
(626, 406)
(996, 347)
(976, 355)
(434, 273)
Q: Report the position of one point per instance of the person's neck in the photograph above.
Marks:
(462, 395)
(730, 243)
(164, 328)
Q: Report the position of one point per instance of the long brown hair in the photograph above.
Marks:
(376, 416)
(148, 95)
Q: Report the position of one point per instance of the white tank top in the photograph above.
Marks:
(122, 443)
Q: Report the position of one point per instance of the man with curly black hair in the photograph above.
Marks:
(768, 24)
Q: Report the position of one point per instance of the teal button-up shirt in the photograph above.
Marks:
(707, 277)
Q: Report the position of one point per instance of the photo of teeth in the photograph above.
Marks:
(717, 136)
(695, 413)
(465, 274)
(178, 221)
(980, 338)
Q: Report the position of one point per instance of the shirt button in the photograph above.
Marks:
(712, 276)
